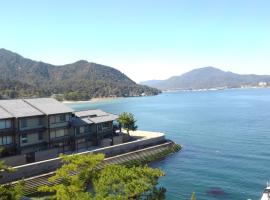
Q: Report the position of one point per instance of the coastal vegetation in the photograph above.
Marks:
(85, 177)
(81, 178)
(82, 80)
(127, 121)
(9, 192)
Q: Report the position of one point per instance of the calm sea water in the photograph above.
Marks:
(225, 137)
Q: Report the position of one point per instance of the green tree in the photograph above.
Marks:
(71, 180)
(80, 178)
(156, 194)
(10, 192)
(193, 197)
(5, 168)
(127, 121)
(59, 97)
(121, 182)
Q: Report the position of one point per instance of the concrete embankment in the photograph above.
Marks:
(145, 147)
(140, 156)
(142, 139)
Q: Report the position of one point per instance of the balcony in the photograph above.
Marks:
(7, 131)
(86, 134)
(59, 124)
(32, 130)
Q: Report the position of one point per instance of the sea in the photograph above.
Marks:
(225, 136)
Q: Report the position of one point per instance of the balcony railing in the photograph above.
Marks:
(33, 130)
(7, 130)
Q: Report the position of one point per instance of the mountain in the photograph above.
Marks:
(208, 78)
(22, 77)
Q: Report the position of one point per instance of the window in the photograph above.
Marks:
(99, 127)
(24, 138)
(8, 139)
(40, 121)
(5, 124)
(23, 123)
(106, 125)
(82, 129)
(58, 119)
(52, 119)
(62, 118)
(57, 133)
(60, 133)
(5, 140)
(8, 123)
(77, 130)
(2, 124)
(40, 135)
(87, 129)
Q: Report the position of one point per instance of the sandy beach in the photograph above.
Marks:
(94, 100)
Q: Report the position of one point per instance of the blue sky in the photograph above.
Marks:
(145, 39)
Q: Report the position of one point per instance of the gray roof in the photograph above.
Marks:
(4, 114)
(107, 118)
(87, 113)
(19, 108)
(49, 106)
(80, 121)
(95, 116)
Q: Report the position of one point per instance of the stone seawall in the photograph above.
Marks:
(145, 139)
(156, 151)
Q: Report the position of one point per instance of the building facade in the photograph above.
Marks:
(31, 125)
(7, 135)
(90, 127)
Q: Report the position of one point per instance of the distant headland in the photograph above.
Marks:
(210, 78)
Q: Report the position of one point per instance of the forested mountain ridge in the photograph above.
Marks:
(209, 78)
(82, 80)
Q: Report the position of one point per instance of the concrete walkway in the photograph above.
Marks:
(144, 134)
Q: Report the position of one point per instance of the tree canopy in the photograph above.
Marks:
(9, 192)
(81, 178)
(121, 182)
(127, 121)
(68, 186)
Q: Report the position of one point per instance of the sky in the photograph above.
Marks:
(145, 39)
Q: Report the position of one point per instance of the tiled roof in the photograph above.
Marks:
(95, 116)
(80, 121)
(4, 114)
(49, 106)
(87, 113)
(19, 108)
(106, 118)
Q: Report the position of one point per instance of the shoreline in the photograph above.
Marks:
(93, 100)
(104, 99)
(212, 89)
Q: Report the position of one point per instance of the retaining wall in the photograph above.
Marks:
(46, 166)
(31, 184)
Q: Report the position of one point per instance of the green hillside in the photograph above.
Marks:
(82, 80)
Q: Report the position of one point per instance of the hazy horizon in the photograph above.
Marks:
(146, 40)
